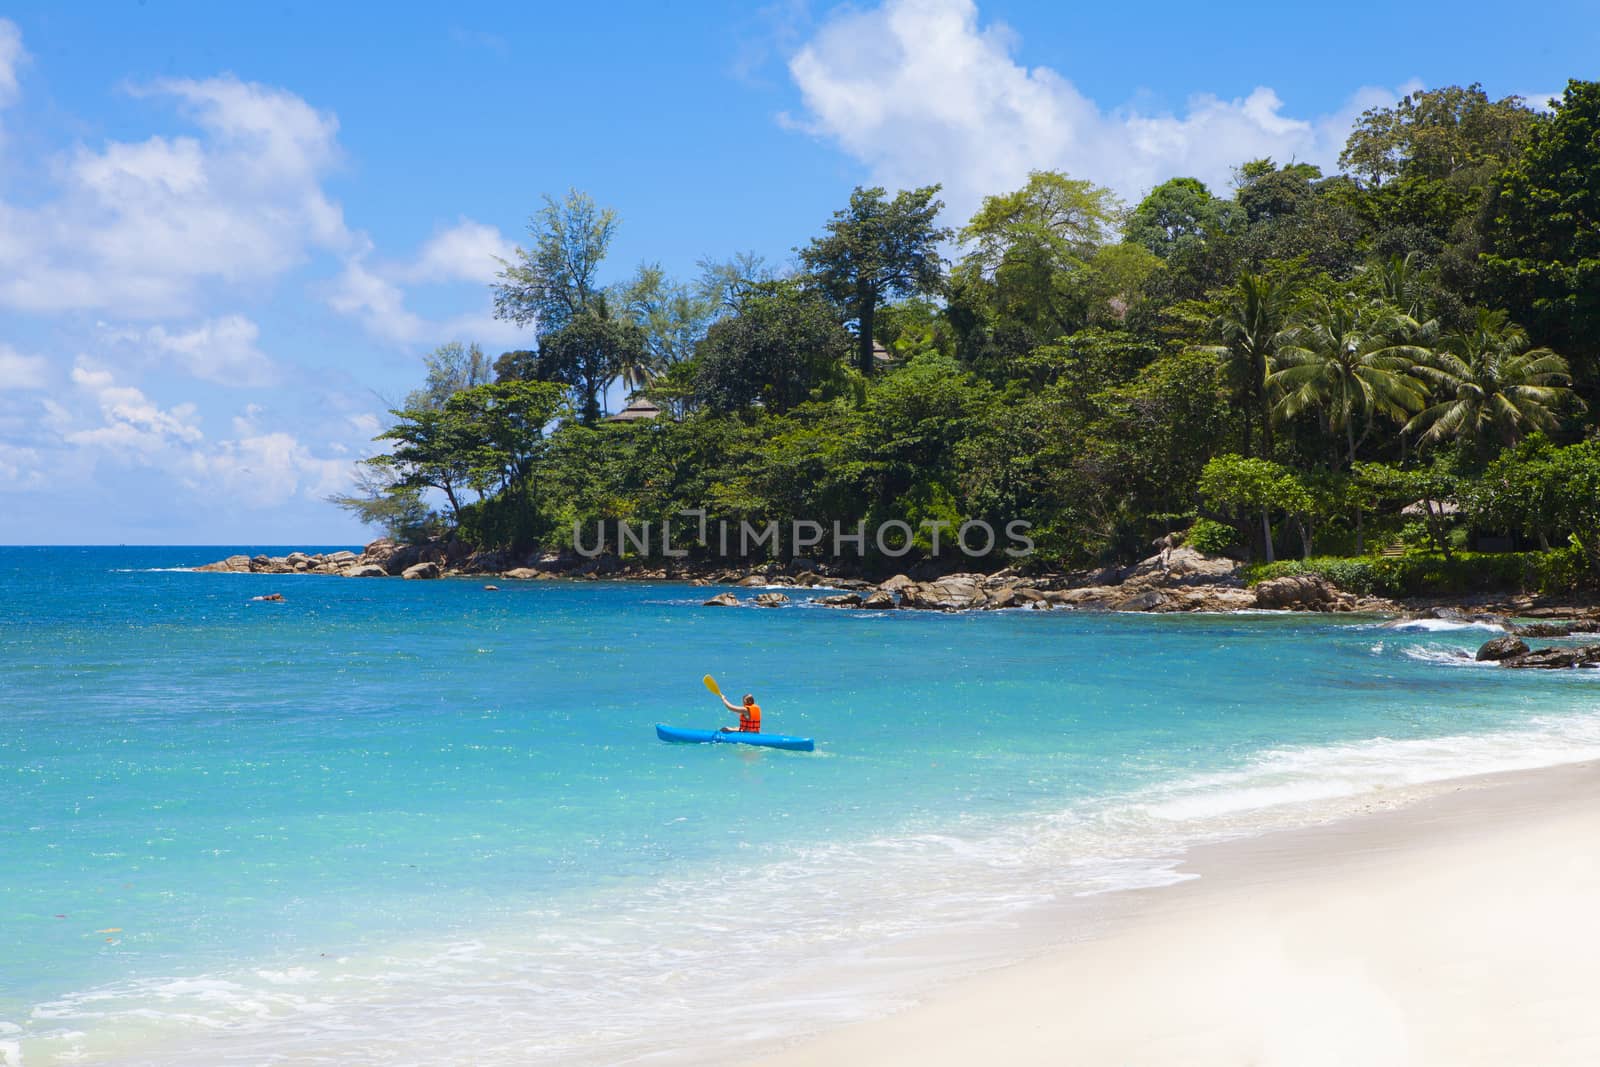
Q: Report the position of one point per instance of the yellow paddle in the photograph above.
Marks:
(711, 684)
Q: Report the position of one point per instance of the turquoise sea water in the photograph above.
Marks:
(390, 821)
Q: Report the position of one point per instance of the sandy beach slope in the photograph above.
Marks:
(1463, 928)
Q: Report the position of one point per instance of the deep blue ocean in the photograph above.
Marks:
(387, 821)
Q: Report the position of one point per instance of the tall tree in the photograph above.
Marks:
(726, 282)
(521, 365)
(1496, 389)
(1031, 249)
(452, 367)
(1549, 493)
(1249, 324)
(1349, 359)
(1294, 214)
(380, 500)
(1426, 165)
(1267, 191)
(784, 343)
(1053, 219)
(673, 316)
(1176, 213)
(1240, 489)
(590, 352)
(1543, 232)
(433, 450)
(1401, 284)
(504, 423)
(875, 249)
(1437, 134)
(557, 277)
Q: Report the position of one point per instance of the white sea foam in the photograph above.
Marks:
(1440, 626)
(1287, 777)
(1450, 657)
(156, 570)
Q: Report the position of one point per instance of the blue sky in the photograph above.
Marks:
(228, 233)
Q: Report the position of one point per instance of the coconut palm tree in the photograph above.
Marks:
(1349, 359)
(1494, 387)
(638, 369)
(1250, 327)
(1402, 283)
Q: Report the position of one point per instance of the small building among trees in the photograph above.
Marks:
(638, 410)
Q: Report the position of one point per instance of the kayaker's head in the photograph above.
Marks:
(748, 700)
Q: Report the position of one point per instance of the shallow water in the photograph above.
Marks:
(422, 821)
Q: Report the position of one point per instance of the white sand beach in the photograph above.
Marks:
(1463, 928)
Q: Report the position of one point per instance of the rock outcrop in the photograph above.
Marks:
(1174, 579)
(381, 558)
(233, 565)
(1554, 658)
(1502, 648)
(957, 592)
(1555, 629)
(1303, 592)
(1183, 566)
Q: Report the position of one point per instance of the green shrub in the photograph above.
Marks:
(1562, 570)
(1427, 574)
(1212, 538)
(1357, 575)
(505, 521)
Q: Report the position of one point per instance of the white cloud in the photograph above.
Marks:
(219, 350)
(468, 252)
(377, 302)
(152, 228)
(139, 227)
(1541, 99)
(255, 468)
(375, 297)
(18, 371)
(266, 469)
(366, 423)
(374, 292)
(12, 56)
(19, 467)
(920, 92)
(131, 423)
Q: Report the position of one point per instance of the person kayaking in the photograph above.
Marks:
(749, 715)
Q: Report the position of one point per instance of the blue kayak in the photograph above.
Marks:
(682, 735)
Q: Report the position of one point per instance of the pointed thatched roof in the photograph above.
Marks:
(638, 410)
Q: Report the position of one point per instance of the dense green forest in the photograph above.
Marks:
(1403, 355)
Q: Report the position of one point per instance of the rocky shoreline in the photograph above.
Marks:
(1174, 580)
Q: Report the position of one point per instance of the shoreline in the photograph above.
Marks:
(1444, 924)
(1174, 581)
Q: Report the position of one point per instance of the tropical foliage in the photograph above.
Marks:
(1285, 366)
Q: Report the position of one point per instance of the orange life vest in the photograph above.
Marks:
(750, 719)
